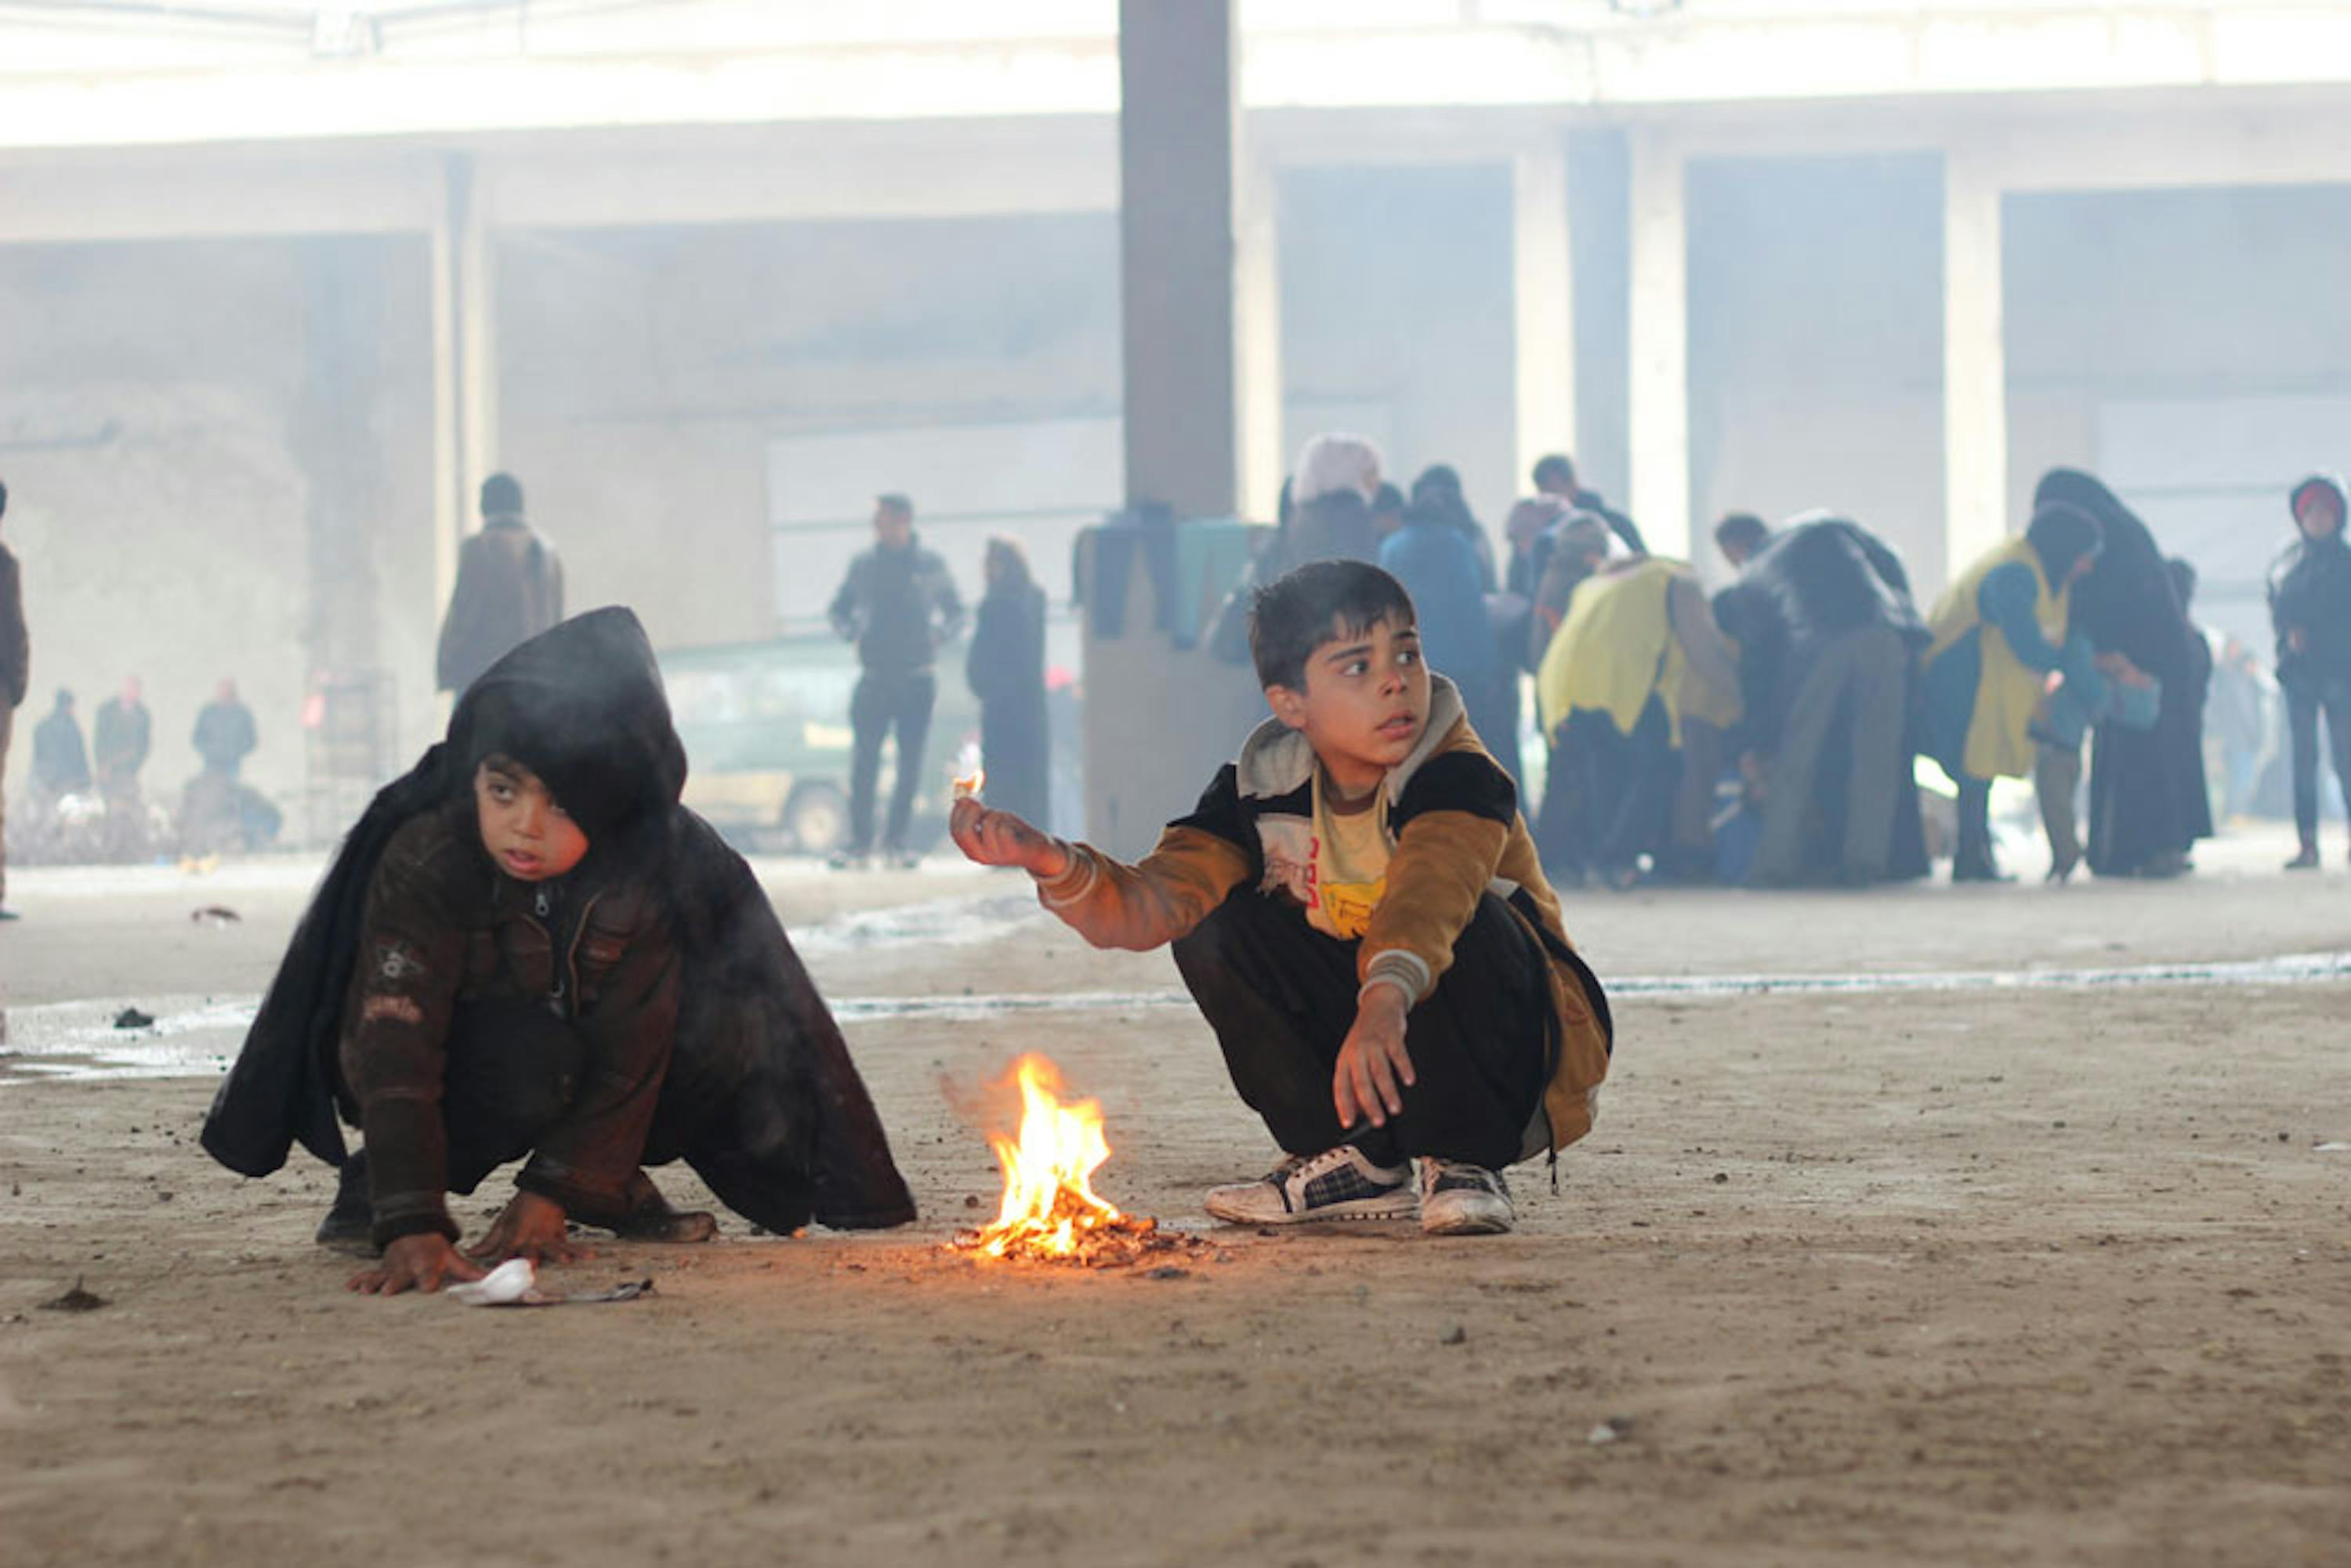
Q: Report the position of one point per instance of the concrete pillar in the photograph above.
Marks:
(1264, 456)
(464, 369)
(1659, 394)
(1179, 135)
(1542, 274)
(1975, 365)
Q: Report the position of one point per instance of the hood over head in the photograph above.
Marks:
(582, 706)
(2330, 486)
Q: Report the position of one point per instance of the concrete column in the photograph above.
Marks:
(1543, 275)
(464, 369)
(1975, 365)
(1264, 457)
(1179, 135)
(1659, 394)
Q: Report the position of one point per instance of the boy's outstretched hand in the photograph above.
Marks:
(424, 1262)
(999, 838)
(1373, 1069)
(529, 1227)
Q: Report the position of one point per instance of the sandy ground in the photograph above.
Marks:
(1976, 1275)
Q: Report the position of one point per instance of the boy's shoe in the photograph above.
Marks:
(350, 1225)
(651, 1218)
(848, 860)
(1337, 1184)
(1457, 1198)
(2307, 860)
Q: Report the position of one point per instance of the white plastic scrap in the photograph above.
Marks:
(515, 1283)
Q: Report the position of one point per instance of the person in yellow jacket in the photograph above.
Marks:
(1356, 907)
(2000, 634)
(1634, 690)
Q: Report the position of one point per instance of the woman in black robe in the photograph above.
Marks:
(2148, 801)
(732, 1060)
(1006, 668)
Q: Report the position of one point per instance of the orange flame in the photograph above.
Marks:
(1050, 1209)
(969, 788)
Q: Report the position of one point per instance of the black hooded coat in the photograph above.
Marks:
(2310, 591)
(1819, 578)
(2147, 798)
(771, 1111)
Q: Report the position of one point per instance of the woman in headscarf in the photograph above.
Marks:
(2310, 605)
(2148, 801)
(1006, 668)
(528, 947)
(1997, 633)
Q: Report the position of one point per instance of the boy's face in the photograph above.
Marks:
(522, 827)
(1364, 705)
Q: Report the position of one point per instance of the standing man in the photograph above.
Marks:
(898, 605)
(509, 589)
(16, 673)
(118, 741)
(60, 760)
(224, 734)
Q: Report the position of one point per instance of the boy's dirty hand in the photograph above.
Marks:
(1373, 1069)
(529, 1227)
(999, 838)
(423, 1263)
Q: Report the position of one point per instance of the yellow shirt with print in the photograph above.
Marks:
(1350, 870)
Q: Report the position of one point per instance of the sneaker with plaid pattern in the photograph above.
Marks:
(1338, 1184)
(1457, 1198)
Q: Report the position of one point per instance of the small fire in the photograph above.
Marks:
(1050, 1211)
(969, 788)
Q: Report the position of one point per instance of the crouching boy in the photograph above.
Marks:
(528, 947)
(1358, 911)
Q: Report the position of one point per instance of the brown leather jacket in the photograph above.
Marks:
(443, 927)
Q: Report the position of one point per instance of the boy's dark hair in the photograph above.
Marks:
(501, 496)
(1556, 465)
(1740, 530)
(1386, 500)
(895, 501)
(2061, 534)
(1320, 603)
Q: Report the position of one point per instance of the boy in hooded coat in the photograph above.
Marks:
(470, 992)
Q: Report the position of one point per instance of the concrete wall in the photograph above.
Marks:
(190, 432)
(1395, 297)
(1816, 300)
(643, 372)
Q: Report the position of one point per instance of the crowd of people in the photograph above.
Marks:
(1768, 735)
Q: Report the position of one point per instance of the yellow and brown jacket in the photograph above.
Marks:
(1457, 835)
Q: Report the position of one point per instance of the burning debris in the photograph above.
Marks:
(1051, 1212)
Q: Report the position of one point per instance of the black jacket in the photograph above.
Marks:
(680, 977)
(898, 606)
(2310, 591)
(224, 735)
(61, 761)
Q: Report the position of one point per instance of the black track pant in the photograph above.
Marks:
(514, 1069)
(1281, 996)
(879, 705)
(2303, 707)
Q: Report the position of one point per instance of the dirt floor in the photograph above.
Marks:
(1982, 1274)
